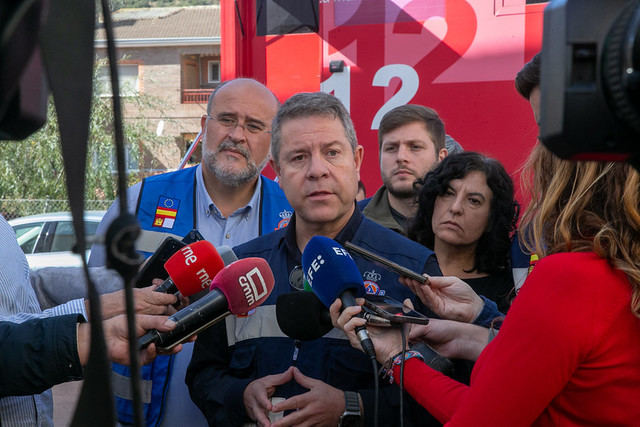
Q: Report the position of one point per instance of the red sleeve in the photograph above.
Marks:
(420, 381)
(541, 342)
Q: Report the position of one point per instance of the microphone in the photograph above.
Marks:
(237, 289)
(332, 273)
(302, 316)
(191, 269)
(227, 254)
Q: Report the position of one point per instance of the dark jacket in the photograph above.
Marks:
(222, 365)
(378, 209)
(38, 354)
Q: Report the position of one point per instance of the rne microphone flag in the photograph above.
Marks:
(191, 269)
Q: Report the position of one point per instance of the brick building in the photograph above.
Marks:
(173, 55)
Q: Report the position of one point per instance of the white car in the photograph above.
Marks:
(47, 239)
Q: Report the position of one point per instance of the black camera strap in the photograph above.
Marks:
(67, 42)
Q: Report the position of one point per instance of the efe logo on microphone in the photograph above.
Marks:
(318, 261)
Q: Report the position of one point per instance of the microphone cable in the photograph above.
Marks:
(376, 391)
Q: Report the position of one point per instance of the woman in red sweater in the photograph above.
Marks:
(568, 352)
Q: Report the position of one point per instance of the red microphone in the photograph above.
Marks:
(191, 269)
(236, 289)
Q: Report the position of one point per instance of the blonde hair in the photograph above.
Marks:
(579, 206)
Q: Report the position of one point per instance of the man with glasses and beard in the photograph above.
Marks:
(226, 199)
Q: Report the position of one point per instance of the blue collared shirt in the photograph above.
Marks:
(239, 227)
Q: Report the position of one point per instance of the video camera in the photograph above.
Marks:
(590, 80)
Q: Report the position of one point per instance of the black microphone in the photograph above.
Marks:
(302, 316)
(236, 289)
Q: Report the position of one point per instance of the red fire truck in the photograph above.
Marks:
(459, 57)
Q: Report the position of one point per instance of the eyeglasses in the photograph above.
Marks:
(232, 122)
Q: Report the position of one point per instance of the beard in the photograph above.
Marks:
(400, 190)
(227, 174)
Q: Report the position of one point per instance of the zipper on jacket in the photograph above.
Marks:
(296, 351)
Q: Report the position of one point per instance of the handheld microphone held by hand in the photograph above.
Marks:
(332, 273)
(236, 289)
(153, 267)
(191, 269)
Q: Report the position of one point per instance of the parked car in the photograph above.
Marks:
(47, 239)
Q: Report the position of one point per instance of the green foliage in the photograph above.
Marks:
(33, 168)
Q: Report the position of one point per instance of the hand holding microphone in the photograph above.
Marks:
(190, 268)
(237, 289)
(331, 272)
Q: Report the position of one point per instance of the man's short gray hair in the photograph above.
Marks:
(308, 104)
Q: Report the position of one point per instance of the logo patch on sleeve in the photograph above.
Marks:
(166, 212)
(371, 279)
(286, 217)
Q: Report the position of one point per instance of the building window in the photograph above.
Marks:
(128, 78)
(213, 71)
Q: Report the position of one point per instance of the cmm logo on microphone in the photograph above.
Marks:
(253, 285)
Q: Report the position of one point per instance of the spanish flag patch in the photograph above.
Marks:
(166, 212)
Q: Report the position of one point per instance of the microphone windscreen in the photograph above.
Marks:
(194, 266)
(302, 316)
(329, 270)
(246, 283)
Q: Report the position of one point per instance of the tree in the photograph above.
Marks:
(33, 168)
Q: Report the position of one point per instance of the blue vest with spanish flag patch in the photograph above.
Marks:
(166, 207)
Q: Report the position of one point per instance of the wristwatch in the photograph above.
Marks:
(351, 416)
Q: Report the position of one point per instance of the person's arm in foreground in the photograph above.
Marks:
(521, 370)
(42, 352)
(451, 298)
(455, 340)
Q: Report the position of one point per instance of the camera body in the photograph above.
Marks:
(589, 80)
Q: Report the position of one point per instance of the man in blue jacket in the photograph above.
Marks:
(241, 368)
(226, 199)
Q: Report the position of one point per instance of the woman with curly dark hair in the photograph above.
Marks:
(467, 214)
